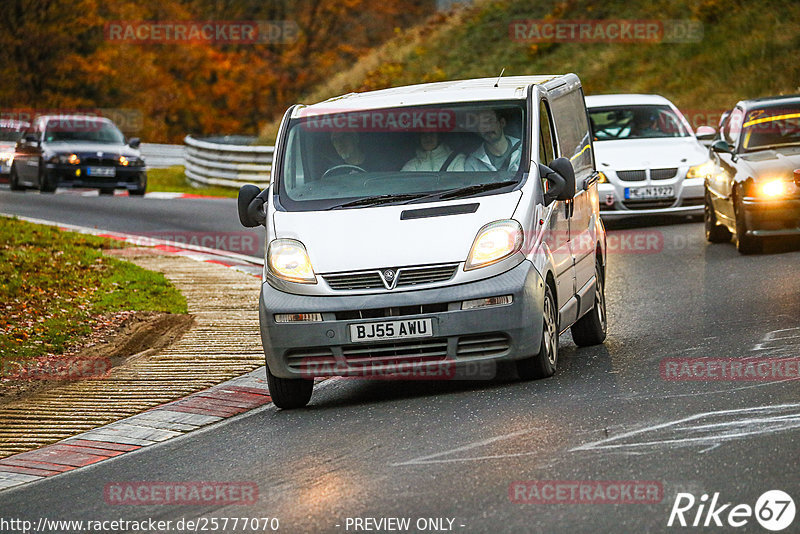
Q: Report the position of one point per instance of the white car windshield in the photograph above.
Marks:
(636, 122)
(357, 158)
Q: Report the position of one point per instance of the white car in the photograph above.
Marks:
(649, 159)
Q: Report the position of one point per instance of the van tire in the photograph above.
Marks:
(289, 393)
(591, 328)
(543, 364)
(13, 180)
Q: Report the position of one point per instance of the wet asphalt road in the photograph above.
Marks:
(454, 449)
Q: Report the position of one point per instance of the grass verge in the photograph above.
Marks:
(173, 179)
(56, 285)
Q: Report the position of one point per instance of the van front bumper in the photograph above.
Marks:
(459, 338)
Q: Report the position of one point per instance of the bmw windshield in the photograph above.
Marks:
(348, 159)
(636, 122)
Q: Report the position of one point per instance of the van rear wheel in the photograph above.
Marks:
(544, 363)
(289, 393)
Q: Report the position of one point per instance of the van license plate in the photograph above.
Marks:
(101, 171)
(391, 330)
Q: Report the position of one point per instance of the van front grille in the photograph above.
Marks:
(406, 276)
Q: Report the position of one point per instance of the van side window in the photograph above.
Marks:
(547, 151)
(572, 131)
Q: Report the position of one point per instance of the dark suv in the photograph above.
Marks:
(77, 151)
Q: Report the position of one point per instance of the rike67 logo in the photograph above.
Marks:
(774, 510)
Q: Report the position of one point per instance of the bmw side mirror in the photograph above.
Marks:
(704, 133)
(134, 142)
(721, 146)
(251, 206)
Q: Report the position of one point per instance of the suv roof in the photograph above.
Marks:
(767, 101)
(597, 101)
(474, 90)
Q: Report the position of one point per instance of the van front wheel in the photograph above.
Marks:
(591, 328)
(543, 364)
(288, 393)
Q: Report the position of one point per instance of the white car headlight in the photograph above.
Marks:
(287, 259)
(700, 171)
(495, 241)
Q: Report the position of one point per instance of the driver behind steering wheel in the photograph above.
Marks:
(348, 148)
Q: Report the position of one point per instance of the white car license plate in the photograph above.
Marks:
(391, 330)
(649, 193)
(101, 171)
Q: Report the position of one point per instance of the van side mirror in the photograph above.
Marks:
(562, 186)
(134, 142)
(564, 168)
(721, 146)
(251, 206)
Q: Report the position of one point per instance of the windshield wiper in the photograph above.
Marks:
(475, 189)
(377, 200)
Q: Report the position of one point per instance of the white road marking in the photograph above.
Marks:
(773, 419)
(469, 446)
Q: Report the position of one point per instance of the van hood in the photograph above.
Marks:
(373, 238)
(637, 154)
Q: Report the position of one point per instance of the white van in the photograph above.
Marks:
(443, 224)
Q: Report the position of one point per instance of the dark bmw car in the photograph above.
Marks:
(753, 191)
(77, 151)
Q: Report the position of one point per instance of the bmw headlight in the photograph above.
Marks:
(495, 241)
(700, 171)
(774, 188)
(71, 159)
(287, 259)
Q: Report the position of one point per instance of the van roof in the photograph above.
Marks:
(474, 90)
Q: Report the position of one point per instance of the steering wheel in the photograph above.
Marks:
(339, 169)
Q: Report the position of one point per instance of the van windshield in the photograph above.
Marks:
(360, 158)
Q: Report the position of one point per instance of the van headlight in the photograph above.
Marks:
(495, 241)
(287, 259)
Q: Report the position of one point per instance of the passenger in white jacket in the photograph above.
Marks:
(433, 156)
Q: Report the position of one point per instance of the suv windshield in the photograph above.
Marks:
(771, 127)
(362, 158)
(635, 122)
(82, 129)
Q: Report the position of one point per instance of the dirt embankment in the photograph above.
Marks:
(116, 339)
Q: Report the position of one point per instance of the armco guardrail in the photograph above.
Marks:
(158, 156)
(229, 161)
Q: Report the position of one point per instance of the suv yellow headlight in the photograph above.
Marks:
(774, 188)
(287, 259)
(495, 241)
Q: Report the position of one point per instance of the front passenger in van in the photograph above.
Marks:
(434, 156)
